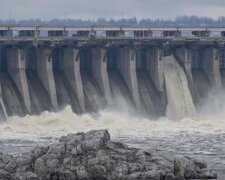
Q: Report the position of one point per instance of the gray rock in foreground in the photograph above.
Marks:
(92, 155)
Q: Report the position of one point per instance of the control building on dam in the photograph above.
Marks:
(89, 71)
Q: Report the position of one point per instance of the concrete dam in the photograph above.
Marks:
(89, 73)
(154, 88)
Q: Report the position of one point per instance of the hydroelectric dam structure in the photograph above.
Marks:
(45, 68)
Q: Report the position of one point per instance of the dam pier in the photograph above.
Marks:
(47, 68)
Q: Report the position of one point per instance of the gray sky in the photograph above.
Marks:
(93, 9)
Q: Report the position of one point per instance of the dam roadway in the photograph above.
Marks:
(47, 68)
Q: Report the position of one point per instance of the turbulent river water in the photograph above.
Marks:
(186, 132)
(201, 136)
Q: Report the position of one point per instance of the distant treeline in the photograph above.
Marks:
(179, 21)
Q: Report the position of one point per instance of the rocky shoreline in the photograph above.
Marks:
(92, 155)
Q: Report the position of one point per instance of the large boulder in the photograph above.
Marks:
(93, 155)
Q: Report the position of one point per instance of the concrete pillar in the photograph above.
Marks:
(211, 66)
(1, 58)
(154, 58)
(45, 73)
(37, 34)
(99, 71)
(3, 113)
(183, 55)
(71, 69)
(16, 70)
(126, 64)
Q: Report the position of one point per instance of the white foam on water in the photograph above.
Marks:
(51, 124)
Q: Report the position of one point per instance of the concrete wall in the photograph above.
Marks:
(71, 69)
(154, 59)
(82, 33)
(126, 63)
(16, 69)
(56, 33)
(45, 73)
(211, 66)
(184, 57)
(115, 33)
(6, 33)
(171, 33)
(142, 33)
(27, 33)
(201, 33)
(99, 71)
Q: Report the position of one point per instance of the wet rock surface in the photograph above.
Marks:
(92, 155)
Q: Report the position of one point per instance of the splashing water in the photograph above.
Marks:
(199, 135)
(180, 103)
(50, 125)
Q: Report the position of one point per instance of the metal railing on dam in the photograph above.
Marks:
(109, 28)
(88, 73)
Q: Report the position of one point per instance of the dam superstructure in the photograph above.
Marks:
(46, 68)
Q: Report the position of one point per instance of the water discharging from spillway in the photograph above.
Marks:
(198, 135)
(180, 103)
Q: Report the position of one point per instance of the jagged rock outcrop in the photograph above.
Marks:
(92, 155)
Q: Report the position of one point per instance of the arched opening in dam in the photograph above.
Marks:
(146, 62)
(12, 100)
(201, 82)
(63, 84)
(94, 97)
(39, 98)
(118, 86)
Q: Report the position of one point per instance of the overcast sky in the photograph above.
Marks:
(93, 9)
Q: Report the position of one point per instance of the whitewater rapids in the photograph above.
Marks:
(201, 136)
(50, 124)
